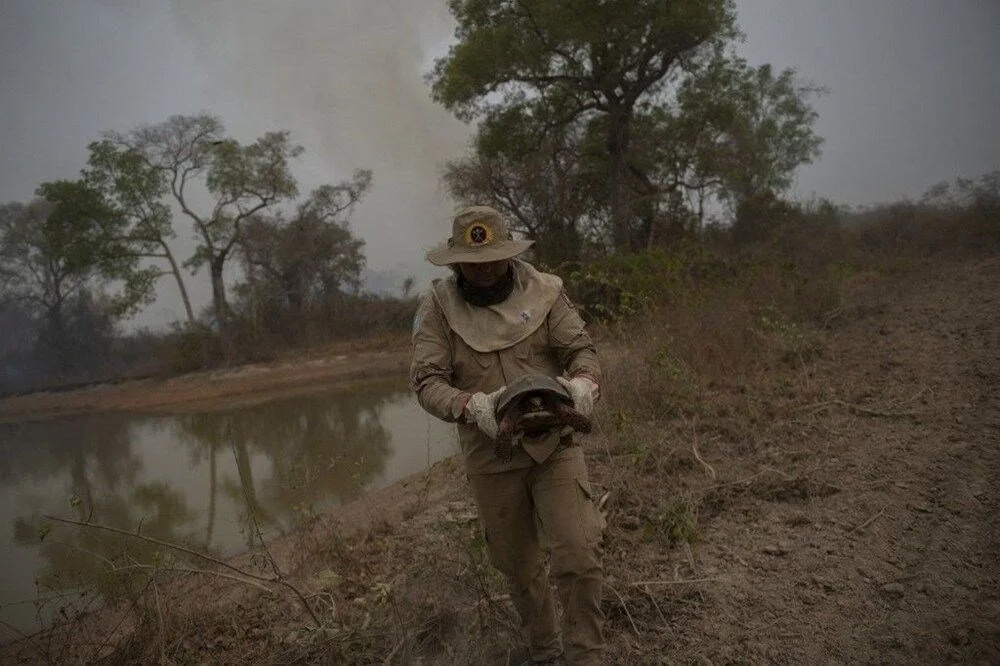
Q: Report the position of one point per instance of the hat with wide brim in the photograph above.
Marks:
(479, 234)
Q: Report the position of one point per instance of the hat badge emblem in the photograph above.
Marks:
(478, 234)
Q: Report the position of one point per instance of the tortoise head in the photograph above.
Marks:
(535, 404)
(531, 393)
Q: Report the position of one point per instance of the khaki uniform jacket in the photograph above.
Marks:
(445, 369)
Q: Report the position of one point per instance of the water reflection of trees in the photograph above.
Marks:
(305, 452)
(93, 460)
(319, 448)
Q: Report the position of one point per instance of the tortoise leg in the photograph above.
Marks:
(504, 448)
(572, 418)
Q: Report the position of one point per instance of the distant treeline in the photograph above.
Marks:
(803, 240)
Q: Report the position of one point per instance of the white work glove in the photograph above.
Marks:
(584, 392)
(481, 408)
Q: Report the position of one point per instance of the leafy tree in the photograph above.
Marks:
(57, 249)
(754, 127)
(735, 133)
(136, 188)
(530, 67)
(238, 182)
(299, 263)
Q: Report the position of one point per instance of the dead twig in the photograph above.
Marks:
(134, 608)
(31, 644)
(628, 614)
(694, 568)
(749, 479)
(764, 625)
(672, 582)
(652, 599)
(395, 650)
(208, 558)
(857, 409)
(867, 522)
(161, 636)
(697, 456)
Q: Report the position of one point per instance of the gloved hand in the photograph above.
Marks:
(584, 392)
(481, 408)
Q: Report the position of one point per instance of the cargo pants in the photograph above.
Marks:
(548, 509)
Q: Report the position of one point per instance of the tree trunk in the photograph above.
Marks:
(618, 149)
(219, 302)
(175, 269)
(55, 337)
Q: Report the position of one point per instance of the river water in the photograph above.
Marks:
(192, 479)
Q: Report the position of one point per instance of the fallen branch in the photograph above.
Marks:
(672, 582)
(166, 544)
(187, 570)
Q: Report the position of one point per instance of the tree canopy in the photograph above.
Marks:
(60, 249)
(638, 107)
(542, 64)
(298, 264)
(239, 182)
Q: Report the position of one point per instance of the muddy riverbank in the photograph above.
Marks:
(220, 388)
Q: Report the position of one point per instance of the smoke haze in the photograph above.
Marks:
(347, 78)
(913, 92)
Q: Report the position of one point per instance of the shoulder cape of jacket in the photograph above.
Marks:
(494, 327)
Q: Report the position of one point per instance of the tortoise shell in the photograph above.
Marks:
(531, 386)
(532, 405)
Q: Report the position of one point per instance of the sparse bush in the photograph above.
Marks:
(617, 287)
(794, 340)
(675, 521)
(194, 348)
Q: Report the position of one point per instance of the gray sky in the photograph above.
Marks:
(914, 88)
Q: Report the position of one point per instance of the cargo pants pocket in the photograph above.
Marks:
(594, 522)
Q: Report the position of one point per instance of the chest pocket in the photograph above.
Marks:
(534, 351)
(472, 369)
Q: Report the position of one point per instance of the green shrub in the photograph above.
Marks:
(675, 521)
(194, 348)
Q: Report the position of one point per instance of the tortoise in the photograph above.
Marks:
(532, 405)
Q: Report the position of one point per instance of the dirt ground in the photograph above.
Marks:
(848, 514)
(864, 527)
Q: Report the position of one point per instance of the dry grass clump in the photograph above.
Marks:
(724, 336)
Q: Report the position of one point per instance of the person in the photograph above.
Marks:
(497, 318)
